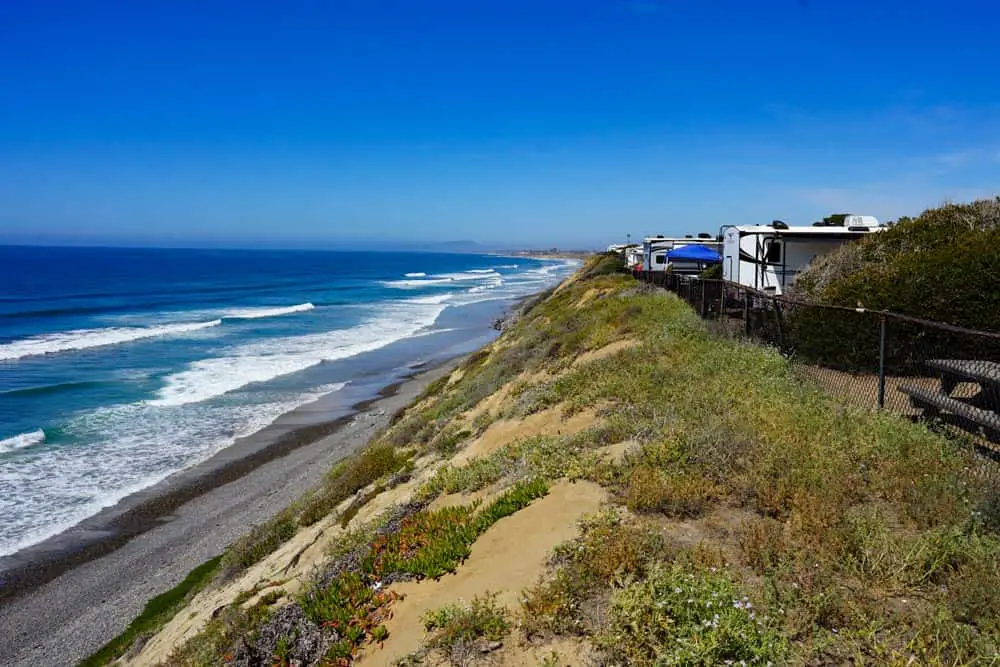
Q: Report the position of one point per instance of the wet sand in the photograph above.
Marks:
(66, 597)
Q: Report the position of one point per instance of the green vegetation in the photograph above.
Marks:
(679, 616)
(934, 266)
(842, 513)
(345, 479)
(350, 476)
(157, 611)
(458, 631)
(345, 609)
(602, 264)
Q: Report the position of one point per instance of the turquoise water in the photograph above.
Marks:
(119, 367)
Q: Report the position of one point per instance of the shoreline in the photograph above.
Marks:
(113, 526)
(270, 472)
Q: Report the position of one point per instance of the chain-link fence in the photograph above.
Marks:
(872, 359)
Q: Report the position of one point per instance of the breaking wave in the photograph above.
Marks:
(259, 362)
(257, 313)
(85, 339)
(21, 441)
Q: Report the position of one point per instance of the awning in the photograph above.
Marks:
(695, 252)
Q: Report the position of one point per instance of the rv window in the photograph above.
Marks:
(772, 255)
(660, 259)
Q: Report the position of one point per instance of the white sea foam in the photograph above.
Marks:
(21, 441)
(130, 448)
(423, 282)
(432, 299)
(257, 313)
(84, 339)
(259, 362)
(442, 279)
(417, 274)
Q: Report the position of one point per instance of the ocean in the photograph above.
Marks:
(120, 366)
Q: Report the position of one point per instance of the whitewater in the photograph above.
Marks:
(119, 368)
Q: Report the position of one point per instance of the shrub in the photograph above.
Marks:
(350, 476)
(456, 629)
(261, 541)
(934, 267)
(609, 551)
(682, 617)
(676, 494)
(602, 264)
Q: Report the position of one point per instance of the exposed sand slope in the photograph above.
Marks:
(509, 557)
(546, 422)
(289, 569)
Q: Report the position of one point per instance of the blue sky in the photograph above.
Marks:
(237, 122)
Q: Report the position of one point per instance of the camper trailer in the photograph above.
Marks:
(768, 257)
(633, 258)
(655, 249)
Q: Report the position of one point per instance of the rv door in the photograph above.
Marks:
(772, 251)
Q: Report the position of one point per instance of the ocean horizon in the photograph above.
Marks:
(122, 366)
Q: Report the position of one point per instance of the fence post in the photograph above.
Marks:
(704, 313)
(881, 361)
(746, 312)
(777, 320)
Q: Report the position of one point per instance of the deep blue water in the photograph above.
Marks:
(121, 366)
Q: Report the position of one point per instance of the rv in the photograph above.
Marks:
(769, 257)
(633, 258)
(655, 249)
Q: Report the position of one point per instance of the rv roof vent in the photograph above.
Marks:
(778, 224)
(703, 235)
(688, 236)
(659, 236)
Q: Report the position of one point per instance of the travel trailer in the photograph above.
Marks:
(655, 249)
(633, 258)
(768, 257)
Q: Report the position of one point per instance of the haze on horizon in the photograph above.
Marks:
(309, 124)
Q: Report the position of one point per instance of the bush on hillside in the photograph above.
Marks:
(602, 264)
(939, 266)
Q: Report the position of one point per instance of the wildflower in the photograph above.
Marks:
(678, 590)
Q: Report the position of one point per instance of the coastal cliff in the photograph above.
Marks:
(609, 483)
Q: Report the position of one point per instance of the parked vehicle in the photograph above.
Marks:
(768, 257)
(655, 249)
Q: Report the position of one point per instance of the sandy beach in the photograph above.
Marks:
(69, 596)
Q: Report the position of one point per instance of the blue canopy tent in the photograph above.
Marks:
(694, 253)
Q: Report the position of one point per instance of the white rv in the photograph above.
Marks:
(633, 257)
(655, 249)
(768, 257)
